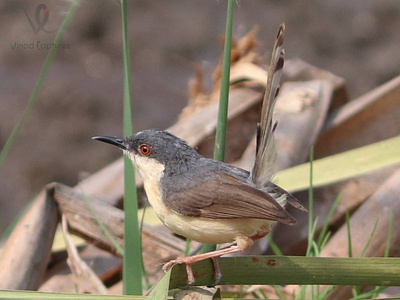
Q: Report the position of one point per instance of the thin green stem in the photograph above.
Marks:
(220, 138)
(278, 291)
(389, 236)
(32, 295)
(273, 245)
(187, 248)
(350, 248)
(145, 275)
(310, 204)
(369, 239)
(324, 230)
(132, 265)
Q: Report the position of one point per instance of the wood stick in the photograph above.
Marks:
(24, 258)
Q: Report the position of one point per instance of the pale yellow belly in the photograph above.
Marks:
(203, 230)
(213, 231)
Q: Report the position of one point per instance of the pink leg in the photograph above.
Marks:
(214, 255)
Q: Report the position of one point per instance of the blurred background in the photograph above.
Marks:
(81, 96)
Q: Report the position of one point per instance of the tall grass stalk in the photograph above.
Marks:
(274, 246)
(375, 292)
(220, 136)
(389, 236)
(350, 247)
(369, 239)
(310, 204)
(32, 100)
(324, 234)
(132, 265)
(144, 273)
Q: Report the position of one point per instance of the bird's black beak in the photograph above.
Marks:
(120, 142)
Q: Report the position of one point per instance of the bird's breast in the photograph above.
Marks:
(203, 230)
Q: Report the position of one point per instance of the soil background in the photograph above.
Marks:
(82, 93)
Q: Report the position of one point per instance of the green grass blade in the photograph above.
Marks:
(375, 292)
(187, 247)
(144, 273)
(132, 265)
(274, 246)
(315, 248)
(301, 294)
(310, 204)
(350, 248)
(322, 235)
(356, 291)
(160, 291)
(342, 166)
(316, 292)
(278, 292)
(208, 248)
(283, 270)
(311, 242)
(389, 236)
(27, 295)
(369, 239)
(370, 294)
(325, 240)
(329, 289)
(255, 295)
(220, 136)
(32, 100)
(311, 224)
(219, 148)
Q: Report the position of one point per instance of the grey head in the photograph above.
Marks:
(172, 152)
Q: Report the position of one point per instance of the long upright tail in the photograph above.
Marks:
(265, 162)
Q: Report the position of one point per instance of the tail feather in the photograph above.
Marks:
(289, 198)
(265, 162)
(264, 165)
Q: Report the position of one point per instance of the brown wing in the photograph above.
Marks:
(225, 197)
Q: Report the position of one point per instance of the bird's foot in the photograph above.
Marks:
(214, 255)
(217, 271)
(188, 261)
(167, 266)
(179, 261)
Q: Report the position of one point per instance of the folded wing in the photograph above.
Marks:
(226, 197)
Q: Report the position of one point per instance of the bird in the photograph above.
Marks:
(207, 200)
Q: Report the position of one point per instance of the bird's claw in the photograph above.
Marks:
(179, 261)
(168, 266)
(188, 261)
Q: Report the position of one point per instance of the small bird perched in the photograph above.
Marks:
(207, 200)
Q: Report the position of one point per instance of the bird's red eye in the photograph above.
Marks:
(144, 150)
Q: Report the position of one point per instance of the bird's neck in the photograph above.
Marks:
(180, 165)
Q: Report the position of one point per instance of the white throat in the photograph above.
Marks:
(149, 169)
